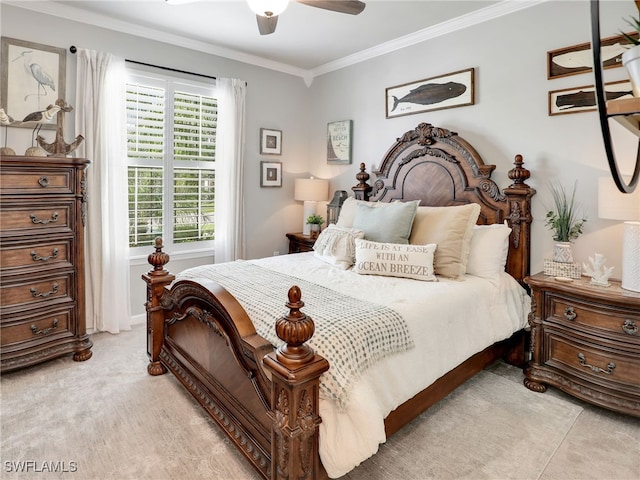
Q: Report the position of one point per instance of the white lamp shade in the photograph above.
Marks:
(615, 205)
(311, 189)
(273, 7)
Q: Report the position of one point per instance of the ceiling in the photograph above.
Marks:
(308, 41)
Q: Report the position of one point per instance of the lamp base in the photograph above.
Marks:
(308, 209)
(631, 256)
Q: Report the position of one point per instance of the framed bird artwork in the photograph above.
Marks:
(33, 78)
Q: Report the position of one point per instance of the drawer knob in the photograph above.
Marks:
(43, 181)
(54, 218)
(36, 257)
(629, 327)
(570, 313)
(583, 361)
(36, 294)
(44, 331)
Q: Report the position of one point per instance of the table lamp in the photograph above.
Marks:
(310, 191)
(615, 205)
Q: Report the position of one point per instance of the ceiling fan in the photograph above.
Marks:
(267, 11)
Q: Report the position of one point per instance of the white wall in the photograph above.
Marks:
(509, 117)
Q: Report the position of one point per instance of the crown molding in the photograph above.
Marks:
(67, 12)
(78, 15)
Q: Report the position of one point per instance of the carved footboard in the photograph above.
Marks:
(265, 400)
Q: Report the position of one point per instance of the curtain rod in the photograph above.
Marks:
(73, 49)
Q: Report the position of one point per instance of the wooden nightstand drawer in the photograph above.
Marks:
(40, 182)
(596, 365)
(32, 293)
(595, 318)
(37, 256)
(36, 329)
(34, 219)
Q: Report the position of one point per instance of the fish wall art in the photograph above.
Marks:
(583, 99)
(579, 58)
(445, 91)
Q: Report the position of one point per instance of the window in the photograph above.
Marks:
(171, 132)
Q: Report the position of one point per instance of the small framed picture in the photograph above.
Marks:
(270, 174)
(270, 142)
(339, 142)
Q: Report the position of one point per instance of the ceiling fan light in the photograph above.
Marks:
(268, 8)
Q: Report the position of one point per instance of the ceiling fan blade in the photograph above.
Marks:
(352, 7)
(267, 25)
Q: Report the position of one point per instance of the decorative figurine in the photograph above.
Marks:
(5, 121)
(58, 148)
(598, 272)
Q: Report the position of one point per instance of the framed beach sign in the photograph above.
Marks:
(339, 142)
(33, 77)
(579, 58)
(583, 99)
(436, 93)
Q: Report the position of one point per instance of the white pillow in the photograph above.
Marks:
(488, 250)
(395, 260)
(336, 246)
(451, 228)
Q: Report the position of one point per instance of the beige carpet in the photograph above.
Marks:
(107, 419)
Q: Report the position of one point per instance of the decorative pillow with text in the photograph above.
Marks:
(395, 260)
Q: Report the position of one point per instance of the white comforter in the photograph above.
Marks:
(449, 321)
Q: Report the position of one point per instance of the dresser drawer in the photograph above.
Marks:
(32, 293)
(596, 365)
(37, 328)
(36, 256)
(37, 218)
(40, 182)
(595, 318)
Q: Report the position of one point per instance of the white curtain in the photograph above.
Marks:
(229, 217)
(101, 119)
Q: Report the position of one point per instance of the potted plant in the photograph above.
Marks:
(565, 222)
(314, 221)
(631, 57)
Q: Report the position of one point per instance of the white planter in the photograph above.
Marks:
(562, 252)
(631, 61)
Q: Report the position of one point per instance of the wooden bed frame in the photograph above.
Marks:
(266, 400)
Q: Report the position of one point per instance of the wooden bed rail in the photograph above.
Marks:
(288, 377)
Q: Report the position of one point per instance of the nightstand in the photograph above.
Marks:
(585, 340)
(299, 242)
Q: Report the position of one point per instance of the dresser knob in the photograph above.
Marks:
(629, 327)
(43, 181)
(583, 361)
(569, 313)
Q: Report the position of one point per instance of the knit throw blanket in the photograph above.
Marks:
(350, 333)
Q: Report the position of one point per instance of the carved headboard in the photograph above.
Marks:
(440, 168)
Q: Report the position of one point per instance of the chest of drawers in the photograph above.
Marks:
(42, 303)
(585, 340)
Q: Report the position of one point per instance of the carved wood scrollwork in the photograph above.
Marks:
(425, 133)
(307, 423)
(515, 220)
(282, 411)
(491, 189)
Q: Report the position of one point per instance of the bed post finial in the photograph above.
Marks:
(295, 396)
(519, 174)
(362, 190)
(158, 259)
